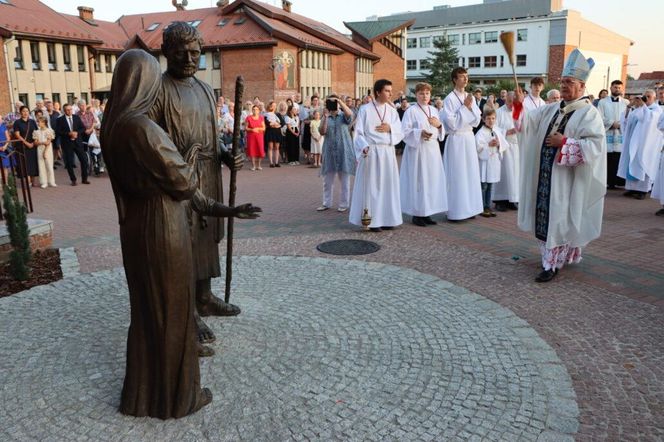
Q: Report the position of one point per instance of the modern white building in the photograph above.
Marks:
(546, 34)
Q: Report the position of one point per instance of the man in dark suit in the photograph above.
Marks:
(70, 130)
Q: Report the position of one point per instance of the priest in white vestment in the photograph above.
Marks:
(658, 187)
(642, 145)
(612, 108)
(506, 191)
(423, 183)
(563, 171)
(460, 115)
(376, 189)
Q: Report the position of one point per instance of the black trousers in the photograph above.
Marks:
(612, 179)
(68, 154)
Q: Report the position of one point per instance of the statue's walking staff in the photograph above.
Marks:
(239, 91)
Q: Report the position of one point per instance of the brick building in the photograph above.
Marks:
(278, 52)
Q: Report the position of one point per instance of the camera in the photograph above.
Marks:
(331, 105)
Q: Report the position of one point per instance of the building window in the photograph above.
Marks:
(460, 61)
(522, 35)
(97, 62)
(194, 23)
(55, 97)
(491, 61)
(23, 98)
(474, 62)
(411, 65)
(34, 54)
(463, 39)
(66, 58)
(216, 60)
(453, 39)
(474, 38)
(411, 43)
(425, 42)
(491, 37)
(109, 61)
(223, 22)
(502, 61)
(217, 94)
(50, 52)
(84, 97)
(438, 39)
(18, 59)
(201, 63)
(425, 64)
(152, 27)
(521, 60)
(70, 97)
(80, 56)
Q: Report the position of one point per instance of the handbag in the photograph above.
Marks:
(93, 141)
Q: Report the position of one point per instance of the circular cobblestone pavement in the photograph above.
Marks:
(324, 349)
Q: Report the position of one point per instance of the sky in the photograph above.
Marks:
(626, 18)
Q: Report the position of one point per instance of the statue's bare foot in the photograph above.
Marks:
(204, 351)
(203, 332)
(216, 307)
(204, 399)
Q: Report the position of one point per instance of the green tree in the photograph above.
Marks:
(441, 61)
(19, 234)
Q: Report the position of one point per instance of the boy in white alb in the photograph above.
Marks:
(422, 178)
(491, 144)
(377, 131)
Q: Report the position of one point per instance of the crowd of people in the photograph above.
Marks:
(36, 141)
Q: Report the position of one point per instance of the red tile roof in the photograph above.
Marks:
(316, 28)
(112, 36)
(34, 19)
(229, 35)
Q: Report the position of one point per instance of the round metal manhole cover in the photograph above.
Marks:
(348, 247)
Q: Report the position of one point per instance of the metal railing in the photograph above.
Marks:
(18, 169)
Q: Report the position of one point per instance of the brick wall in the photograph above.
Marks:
(39, 241)
(390, 67)
(343, 74)
(254, 65)
(5, 96)
(557, 56)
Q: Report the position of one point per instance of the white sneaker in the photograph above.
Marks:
(322, 208)
(43, 186)
(53, 185)
(342, 209)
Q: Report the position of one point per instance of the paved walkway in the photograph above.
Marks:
(603, 317)
(364, 351)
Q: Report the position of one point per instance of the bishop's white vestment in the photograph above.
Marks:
(562, 189)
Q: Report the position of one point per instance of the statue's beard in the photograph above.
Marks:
(183, 71)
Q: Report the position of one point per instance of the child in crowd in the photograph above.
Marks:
(491, 144)
(43, 138)
(316, 138)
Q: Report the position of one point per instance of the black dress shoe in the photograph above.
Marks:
(429, 221)
(639, 196)
(513, 206)
(629, 193)
(501, 207)
(546, 275)
(419, 221)
(660, 212)
(387, 228)
(73, 183)
(85, 182)
(375, 229)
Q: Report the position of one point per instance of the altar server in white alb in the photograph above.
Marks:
(460, 115)
(533, 100)
(642, 145)
(377, 131)
(563, 170)
(491, 145)
(506, 191)
(423, 183)
(658, 186)
(612, 108)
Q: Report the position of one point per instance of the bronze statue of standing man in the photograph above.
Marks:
(186, 110)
